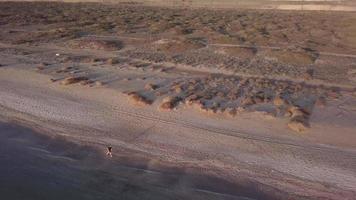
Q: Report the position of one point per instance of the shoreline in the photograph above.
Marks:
(19, 139)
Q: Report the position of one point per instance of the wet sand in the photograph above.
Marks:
(34, 166)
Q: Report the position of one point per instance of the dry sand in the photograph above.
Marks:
(213, 93)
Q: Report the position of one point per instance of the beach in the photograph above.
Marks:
(193, 108)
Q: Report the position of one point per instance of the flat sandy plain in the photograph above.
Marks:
(197, 103)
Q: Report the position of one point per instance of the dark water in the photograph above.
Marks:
(35, 167)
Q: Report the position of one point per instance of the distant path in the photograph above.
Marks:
(297, 5)
(280, 48)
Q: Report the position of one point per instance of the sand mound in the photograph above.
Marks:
(298, 124)
(299, 120)
(139, 99)
(72, 80)
(230, 95)
(151, 86)
(170, 102)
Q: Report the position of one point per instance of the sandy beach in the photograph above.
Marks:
(197, 104)
(66, 170)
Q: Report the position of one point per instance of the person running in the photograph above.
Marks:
(109, 151)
